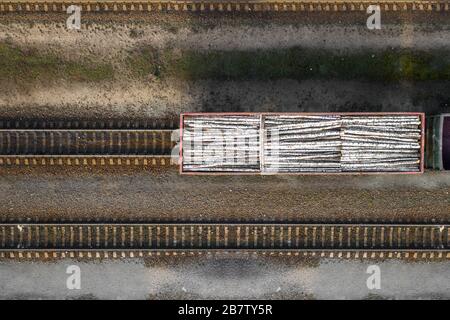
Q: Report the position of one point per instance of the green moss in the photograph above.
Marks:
(145, 62)
(293, 63)
(29, 66)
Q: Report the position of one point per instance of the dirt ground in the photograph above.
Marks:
(111, 38)
(132, 194)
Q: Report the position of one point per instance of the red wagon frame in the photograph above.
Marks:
(421, 115)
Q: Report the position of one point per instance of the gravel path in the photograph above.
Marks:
(127, 194)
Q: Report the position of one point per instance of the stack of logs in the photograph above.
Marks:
(302, 143)
(226, 143)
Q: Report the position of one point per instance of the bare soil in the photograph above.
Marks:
(110, 38)
(133, 194)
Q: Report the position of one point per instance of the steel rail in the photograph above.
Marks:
(26, 6)
(223, 236)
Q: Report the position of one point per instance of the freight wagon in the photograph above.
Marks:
(302, 143)
(438, 142)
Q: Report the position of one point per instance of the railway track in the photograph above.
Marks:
(167, 237)
(219, 6)
(85, 143)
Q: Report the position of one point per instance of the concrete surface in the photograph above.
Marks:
(224, 277)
